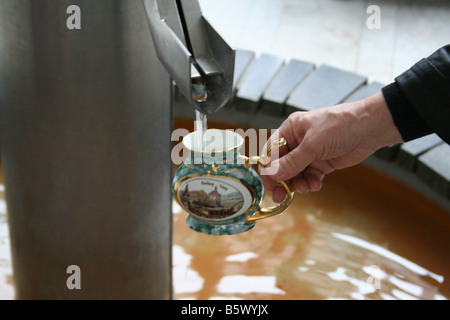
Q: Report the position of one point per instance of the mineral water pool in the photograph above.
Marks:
(363, 236)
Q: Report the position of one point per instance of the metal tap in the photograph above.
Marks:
(195, 55)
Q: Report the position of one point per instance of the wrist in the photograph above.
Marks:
(379, 125)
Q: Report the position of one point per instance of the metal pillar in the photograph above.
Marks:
(85, 124)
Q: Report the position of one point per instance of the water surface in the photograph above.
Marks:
(363, 236)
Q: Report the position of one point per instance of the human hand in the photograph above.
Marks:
(326, 139)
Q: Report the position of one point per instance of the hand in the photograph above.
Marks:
(326, 139)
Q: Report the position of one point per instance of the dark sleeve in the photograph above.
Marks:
(419, 99)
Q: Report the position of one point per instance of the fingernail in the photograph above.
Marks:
(271, 170)
(303, 190)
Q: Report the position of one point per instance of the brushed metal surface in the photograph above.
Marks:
(85, 124)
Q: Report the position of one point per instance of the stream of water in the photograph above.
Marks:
(201, 125)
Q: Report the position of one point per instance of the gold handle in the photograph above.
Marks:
(263, 213)
(264, 161)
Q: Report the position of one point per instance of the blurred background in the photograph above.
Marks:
(334, 32)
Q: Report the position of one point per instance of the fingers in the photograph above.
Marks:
(297, 161)
(308, 180)
(296, 156)
(278, 194)
(269, 183)
(288, 132)
(303, 183)
(277, 151)
(312, 178)
(299, 184)
(289, 165)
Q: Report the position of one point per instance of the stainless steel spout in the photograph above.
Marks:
(195, 55)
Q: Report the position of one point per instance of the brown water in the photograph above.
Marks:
(363, 236)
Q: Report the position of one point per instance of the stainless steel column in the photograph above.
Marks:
(85, 124)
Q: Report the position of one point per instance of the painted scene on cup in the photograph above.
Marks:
(210, 199)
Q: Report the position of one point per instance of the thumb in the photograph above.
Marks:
(289, 165)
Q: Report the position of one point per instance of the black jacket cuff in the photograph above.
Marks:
(410, 125)
(419, 100)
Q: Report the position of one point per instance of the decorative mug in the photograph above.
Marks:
(217, 186)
